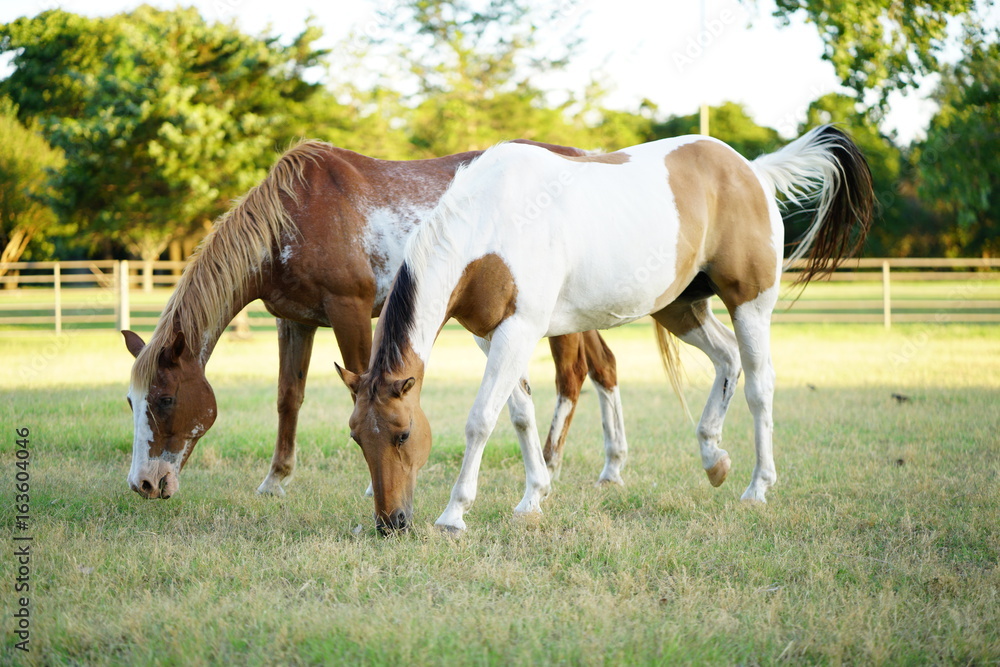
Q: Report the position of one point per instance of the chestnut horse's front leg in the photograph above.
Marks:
(510, 349)
(295, 342)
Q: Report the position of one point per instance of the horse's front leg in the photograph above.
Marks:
(295, 342)
(522, 417)
(510, 350)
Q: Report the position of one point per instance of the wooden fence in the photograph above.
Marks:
(121, 294)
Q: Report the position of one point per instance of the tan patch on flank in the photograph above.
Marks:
(603, 158)
(725, 227)
(485, 296)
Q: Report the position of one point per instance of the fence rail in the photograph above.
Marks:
(124, 294)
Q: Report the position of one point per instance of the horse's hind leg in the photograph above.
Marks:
(752, 322)
(695, 324)
(604, 375)
(295, 342)
(571, 370)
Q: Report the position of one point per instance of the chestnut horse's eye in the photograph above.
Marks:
(403, 437)
(166, 402)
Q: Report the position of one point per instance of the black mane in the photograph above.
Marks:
(397, 320)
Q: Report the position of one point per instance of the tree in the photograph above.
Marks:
(729, 122)
(26, 164)
(958, 164)
(473, 69)
(163, 117)
(880, 46)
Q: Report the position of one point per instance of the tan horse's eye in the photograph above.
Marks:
(403, 437)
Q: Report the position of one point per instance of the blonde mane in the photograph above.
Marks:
(238, 246)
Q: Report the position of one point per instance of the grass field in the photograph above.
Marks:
(879, 545)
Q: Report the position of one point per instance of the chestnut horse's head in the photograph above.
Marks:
(395, 438)
(172, 406)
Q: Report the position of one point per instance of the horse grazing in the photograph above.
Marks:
(527, 243)
(318, 241)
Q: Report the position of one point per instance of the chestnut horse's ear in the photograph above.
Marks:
(400, 387)
(351, 379)
(172, 353)
(133, 342)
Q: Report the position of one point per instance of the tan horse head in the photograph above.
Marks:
(395, 437)
(171, 412)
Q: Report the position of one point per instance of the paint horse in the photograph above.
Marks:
(527, 243)
(318, 241)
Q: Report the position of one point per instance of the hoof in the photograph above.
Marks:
(609, 481)
(271, 488)
(450, 531)
(717, 473)
(753, 497)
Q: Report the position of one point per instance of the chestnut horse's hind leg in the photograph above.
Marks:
(575, 355)
(295, 342)
(604, 375)
(695, 324)
(571, 370)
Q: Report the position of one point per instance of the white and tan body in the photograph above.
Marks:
(527, 244)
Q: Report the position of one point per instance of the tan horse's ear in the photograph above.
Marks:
(133, 342)
(400, 387)
(351, 379)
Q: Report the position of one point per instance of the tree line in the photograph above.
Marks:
(121, 134)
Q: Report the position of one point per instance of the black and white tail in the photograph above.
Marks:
(825, 171)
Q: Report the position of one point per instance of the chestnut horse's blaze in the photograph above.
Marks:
(319, 241)
(655, 229)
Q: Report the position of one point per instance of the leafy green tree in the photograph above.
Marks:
(881, 46)
(26, 163)
(958, 164)
(729, 122)
(163, 117)
(473, 69)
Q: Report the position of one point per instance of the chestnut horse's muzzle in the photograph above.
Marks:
(150, 486)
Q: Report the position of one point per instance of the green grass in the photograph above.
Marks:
(879, 545)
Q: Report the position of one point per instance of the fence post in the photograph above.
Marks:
(57, 283)
(886, 297)
(147, 277)
(123, 317)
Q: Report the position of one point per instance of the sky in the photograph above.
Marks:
(655, 50)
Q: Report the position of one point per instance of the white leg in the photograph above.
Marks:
(752, 322)
(557, 432)
(522, 417)
(510, 351)
(615, 445)
(719, 343)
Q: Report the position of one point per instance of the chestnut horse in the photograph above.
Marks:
(318, 241)
(527, 243)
